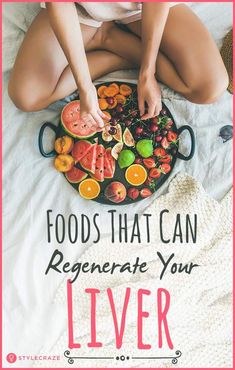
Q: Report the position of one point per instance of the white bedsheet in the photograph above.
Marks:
(31, 185)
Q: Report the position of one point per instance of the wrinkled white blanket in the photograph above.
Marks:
(31, 185)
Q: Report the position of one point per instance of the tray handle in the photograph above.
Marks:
(193, 143)
(50, 125)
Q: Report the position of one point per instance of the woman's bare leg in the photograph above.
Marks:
(41, 74)
(188, 62)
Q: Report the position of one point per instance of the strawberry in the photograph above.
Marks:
(169, 124)
(165, 168)
(149, 181)
(145, 192)
(155, 173)
(165, 159)
(159, 152)
(172, 136)
(165, 143)
(133, 193)
(149, 162)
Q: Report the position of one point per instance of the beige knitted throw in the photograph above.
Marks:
(200, 315)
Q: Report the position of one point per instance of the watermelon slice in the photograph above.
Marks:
(72, 123)
(108, 172)
(111, 160)
(75, 175)
(99, 166)
(88, 162)
(80, 149)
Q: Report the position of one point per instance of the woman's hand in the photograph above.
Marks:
(149, 92)
(90, 110)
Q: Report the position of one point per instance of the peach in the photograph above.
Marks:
(64, 144)
(64, 162)
(115, 192)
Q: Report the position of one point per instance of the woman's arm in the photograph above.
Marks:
(64, 21)
(154, 16)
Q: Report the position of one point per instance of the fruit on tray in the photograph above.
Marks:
(89, 160)
(172, 136)
(149, 162)
(115, 192)
(143, 151)
(64, 162)
(136, 174)
(128, 138)
(165, 143)
(165, 168)
(73, 124)
(125, 90)
(115, 86)
(64, 144)
(155, 173)
(126, 158)
(103, 104)
(107, 137)
(111, 160)
(75, 175)
(145, 193)
(118, 135)
(165, 159)
(121, 99)
(133, 193)
(99, 164)
(80, 149)
(145, 148)
(116, 150)
(110, 91)
(108, 169)
(89, 189)
(100, 91)
(159, 152)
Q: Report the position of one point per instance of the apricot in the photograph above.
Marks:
(115, 192)
(108, 115)
(64, 162)
(120, 99)
(125, 90)
(103, 104)
(100, 91)
(115, 86)
(64, 144)
(110, 91)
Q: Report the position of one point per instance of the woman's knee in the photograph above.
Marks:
(209, 88)
(23, 96)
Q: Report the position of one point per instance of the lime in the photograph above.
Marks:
(126, 158)
(145, 148)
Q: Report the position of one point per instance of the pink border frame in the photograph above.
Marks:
(1, 266)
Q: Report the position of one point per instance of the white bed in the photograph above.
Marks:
(32, 186)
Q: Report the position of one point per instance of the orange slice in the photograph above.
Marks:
(103, 104)
(120, 99)
(115, 86)
(100, 91)
(89, 189)
(125, 90)
(110, 91)
(136, 174)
